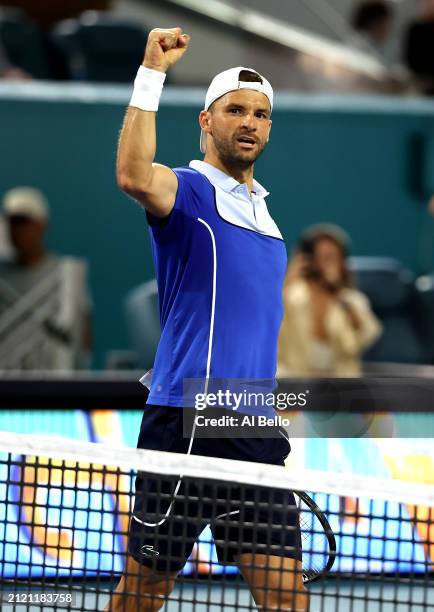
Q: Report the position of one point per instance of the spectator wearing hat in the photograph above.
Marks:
(327, 323)
(26, 212)
(44, 300)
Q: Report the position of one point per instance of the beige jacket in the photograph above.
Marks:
(297, 345)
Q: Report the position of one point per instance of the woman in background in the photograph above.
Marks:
(327, 323)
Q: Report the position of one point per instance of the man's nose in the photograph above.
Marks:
(249, 121)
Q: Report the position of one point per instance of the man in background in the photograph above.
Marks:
(46, 14)
(373, 19)
(419, 47)
(44, 303)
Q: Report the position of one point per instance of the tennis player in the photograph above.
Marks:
(220, 263)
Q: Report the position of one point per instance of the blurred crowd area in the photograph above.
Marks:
(343, 315)
(383, 46)
(45, 303)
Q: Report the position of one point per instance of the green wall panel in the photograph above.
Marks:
(345, 160)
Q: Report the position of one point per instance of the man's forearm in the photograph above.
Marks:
(137, 142)
(153, 186)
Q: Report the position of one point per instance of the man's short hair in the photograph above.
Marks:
(369, 13)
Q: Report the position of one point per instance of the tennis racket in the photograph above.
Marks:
(317, 537)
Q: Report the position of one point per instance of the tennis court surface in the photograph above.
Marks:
(66, 506)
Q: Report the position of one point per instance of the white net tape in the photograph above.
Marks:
(194, 466)
(256, 474)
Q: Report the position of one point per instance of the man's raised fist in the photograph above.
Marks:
(164, 48)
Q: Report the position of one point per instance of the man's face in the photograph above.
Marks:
(239, 124)
(26, 234)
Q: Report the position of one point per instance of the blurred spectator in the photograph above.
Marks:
(44, 302)
(373, 20)
(45, 14)
(28, 37)
(419, 46)
(7, 71)
(327, 323)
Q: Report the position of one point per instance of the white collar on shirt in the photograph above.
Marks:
(236, 205)
(224, 181)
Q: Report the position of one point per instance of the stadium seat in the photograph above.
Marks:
(143, 322)
(100, 47)
(405, 307)
(24, 43)
(396, 300)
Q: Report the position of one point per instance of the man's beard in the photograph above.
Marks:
(229, 155)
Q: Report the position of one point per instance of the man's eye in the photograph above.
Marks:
(261, 115)
(234, 110)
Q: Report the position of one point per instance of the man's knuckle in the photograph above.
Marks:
(157, 33)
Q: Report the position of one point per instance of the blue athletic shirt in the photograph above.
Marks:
(220, 262)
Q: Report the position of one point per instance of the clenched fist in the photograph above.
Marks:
(164, 48)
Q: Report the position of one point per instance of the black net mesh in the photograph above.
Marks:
(117, 533)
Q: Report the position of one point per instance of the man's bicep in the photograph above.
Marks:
(160, 193)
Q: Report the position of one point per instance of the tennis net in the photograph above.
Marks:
(69, 530)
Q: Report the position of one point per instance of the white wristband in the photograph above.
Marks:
(148, 86)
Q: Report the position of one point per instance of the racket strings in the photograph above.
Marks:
(315, 544)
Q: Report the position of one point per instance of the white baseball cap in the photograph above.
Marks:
(229, 80)
(27, 202)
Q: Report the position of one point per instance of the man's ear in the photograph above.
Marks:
(204, 121)
(270, 124)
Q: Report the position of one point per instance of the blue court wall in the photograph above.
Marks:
(365, 163)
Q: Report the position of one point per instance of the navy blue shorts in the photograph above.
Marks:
(242, 518)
